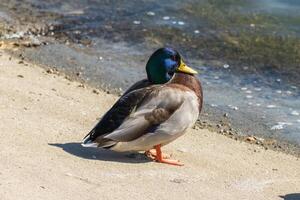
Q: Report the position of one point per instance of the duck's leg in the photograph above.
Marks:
(152, 154)
(159, 157)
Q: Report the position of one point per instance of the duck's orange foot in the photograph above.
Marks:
(158, 156)
(170, 162)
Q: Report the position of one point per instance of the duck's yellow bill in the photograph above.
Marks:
(185, 69)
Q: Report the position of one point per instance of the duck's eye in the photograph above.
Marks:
(173, 58)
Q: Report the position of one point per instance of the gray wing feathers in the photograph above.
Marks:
(148, 116)
(173, 127)
(131, 129)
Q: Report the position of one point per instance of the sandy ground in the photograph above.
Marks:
(45, 116)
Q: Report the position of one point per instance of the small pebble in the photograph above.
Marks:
(181, 23)
(244, 88)
(95, 91)
(50, 71)
(235, 108)
(150, 13)
(271, 106)
(250, 139)
(137, 22)
(295, 113)
(249, 96)
(174, 22)
(294, 87)
(257, 89)
(278, 91)
(213, 105)
(77, 32)
(285, 123)
(288, 92)
(166, 18)
(81, 85)
(20, 76)
(196, 31)
(248, 91)
(277, 127)
(226, 66)
(278, 80)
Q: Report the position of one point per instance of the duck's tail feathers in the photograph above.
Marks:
(102, 143)
(87, 142)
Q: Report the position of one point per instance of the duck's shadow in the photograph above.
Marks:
(101, 154)
(292, 196)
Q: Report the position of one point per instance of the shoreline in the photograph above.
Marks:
(45, 116)
(213, 118)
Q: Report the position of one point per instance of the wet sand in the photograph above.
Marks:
(44, 117)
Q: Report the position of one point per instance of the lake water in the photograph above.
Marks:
(247, 52)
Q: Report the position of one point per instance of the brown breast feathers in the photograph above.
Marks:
(189, 81)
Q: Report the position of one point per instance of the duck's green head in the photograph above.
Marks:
(162, 65)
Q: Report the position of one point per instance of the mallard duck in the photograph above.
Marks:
(148, 118)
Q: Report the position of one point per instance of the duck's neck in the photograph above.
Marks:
(189, 81)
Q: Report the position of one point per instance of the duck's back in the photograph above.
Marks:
(138, 85)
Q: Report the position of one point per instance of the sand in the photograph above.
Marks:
(44, 116)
